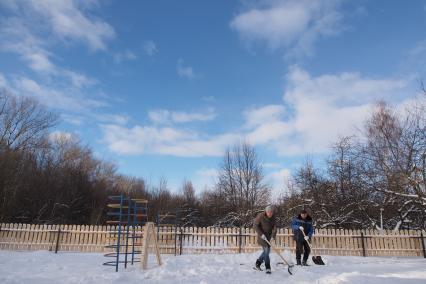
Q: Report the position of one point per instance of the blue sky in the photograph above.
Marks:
(163, 87)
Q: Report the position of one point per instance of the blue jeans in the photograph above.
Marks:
(264, 257)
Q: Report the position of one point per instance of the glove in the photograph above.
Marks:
(301, 228)
(263, 237)
(306, 238)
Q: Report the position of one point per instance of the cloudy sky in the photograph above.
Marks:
(163, 87)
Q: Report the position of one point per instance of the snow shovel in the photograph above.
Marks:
(316, 258)
(289, 266)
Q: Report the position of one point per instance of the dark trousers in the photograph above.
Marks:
(264, 257)
(302, 246)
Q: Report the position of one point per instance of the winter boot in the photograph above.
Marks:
(268, 271)
(298, 262)
(258, 263)
(305, 263)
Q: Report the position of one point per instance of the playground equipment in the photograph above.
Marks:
(129, 237)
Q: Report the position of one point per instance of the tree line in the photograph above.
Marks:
(372, 180)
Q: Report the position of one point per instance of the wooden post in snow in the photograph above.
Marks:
(149, 239)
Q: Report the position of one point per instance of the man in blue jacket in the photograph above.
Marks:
(302, 224)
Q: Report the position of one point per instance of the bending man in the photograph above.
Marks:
(266, 228)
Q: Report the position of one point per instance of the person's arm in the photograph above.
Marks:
(274, 232)
(311, 230)
(257, 227)
(295, 224)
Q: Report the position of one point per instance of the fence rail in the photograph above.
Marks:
(212, 240)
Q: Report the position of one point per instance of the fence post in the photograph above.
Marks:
(180, 239)
(422, 239)
(175, 239)
(363, 246)
(240, 240)
(57, 239)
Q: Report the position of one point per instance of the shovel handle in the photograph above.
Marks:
(277, 252)
(304, 235)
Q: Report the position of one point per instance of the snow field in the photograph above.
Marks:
(72, 267)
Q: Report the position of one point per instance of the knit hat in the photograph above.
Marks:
(269, 208)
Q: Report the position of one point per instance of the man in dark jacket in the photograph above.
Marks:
(266, 229)
(303, 231)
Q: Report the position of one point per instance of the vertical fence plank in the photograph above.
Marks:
(404, 242)
(81, 240)
(16, 235)
(22, 233)
(33, 239)
(52, 237)
(2, 235)
(411, 234)
(7, 236)
(13, 236)
(378, 244)
(372, 239)
(27, 239)
(73, 236)
(348, 234)
(36, 238)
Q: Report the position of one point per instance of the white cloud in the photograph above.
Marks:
(150, 48)
(320, 110)
(414, 61)
(54, 97)
(271, 165)
(68, 20)
(270, 113)
(30, 29)
(119, 119)
(163, 116)
(72, 119)
(315, 112)
(184, 71)
(163, 140)
(17, 38)
(74, 20)
(269, 132)
(279, 181)
(20, 37)
(293, 24)
(123, 56)
(344, 89)
(57, 136)
(205, 178)
(3, 82)
(211, 173)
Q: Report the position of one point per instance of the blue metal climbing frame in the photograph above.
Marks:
(127, 216)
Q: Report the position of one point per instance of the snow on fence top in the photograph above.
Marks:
(213, 240)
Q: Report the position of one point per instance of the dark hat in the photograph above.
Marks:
(303, 212)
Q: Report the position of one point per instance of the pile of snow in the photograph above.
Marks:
(66, 267)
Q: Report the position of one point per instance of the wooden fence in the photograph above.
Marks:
(212, 240)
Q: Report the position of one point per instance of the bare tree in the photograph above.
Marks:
(23, 122)
(240, 183)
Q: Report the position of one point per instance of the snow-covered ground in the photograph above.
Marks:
(67, 267)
